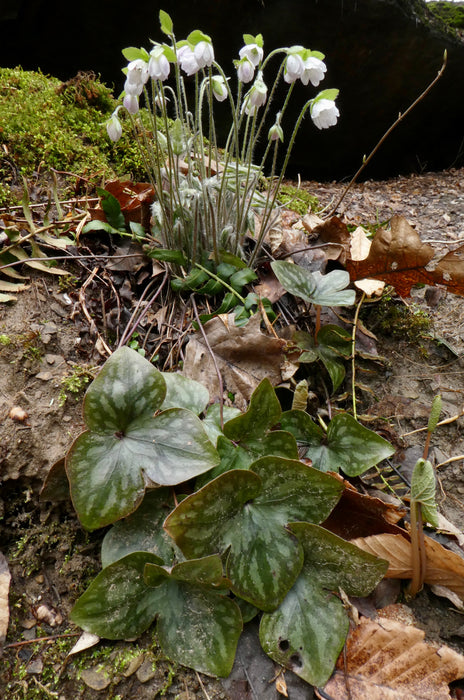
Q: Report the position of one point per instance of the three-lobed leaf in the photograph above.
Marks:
(313, 287)
(333, 344)
(128, 445)
(197, 625)
(244, 513)
(307, 632)
(347, 445)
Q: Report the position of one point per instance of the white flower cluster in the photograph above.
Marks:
(197, 53)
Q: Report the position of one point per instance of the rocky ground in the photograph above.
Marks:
(43, 344)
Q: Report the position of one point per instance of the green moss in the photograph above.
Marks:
(449, 13)
(47, 124)
(391, 317)
(298, 200)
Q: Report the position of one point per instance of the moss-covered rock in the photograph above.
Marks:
(450, 13)
(47, 124)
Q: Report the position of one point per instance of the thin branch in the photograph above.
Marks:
(387, 134)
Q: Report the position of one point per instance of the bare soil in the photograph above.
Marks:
(52, 559)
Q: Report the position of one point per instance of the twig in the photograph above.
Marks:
(353, 354)
(213, 357)
(25, 642)
(202, 686)
(387, 134)
(446, 421)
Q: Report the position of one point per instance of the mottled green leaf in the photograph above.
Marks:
(307, 632)
(129, 446)
(197, 625)
(118, 604)
(245, 513)
(182, 392)
(142, 531)
(324, 290)
(347, 445)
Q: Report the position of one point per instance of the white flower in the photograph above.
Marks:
(158, 65)
(187, 60)
(204, 53)
(131, 103)
(134, 89)
(245, 70)
(314, 70)
(257, 96)
(114, 126)
(137, 72)
(253, 52)
(324, 113)
(219, 87)
(294, 68)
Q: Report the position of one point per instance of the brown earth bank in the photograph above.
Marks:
(52, 559)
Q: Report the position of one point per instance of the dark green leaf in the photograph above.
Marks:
(333, 344)
(307, 632)
(245, 513)
(347, 446)
(142, 531)
(112, 209)
(165, 255)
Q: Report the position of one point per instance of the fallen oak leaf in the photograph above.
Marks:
(398, 257)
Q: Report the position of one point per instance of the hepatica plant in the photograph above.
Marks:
(214, 523)
(206, 196)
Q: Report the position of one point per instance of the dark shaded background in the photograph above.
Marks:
(379, 54)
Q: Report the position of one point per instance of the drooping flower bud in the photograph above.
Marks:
(114, 126)
(219, 87)
(258, 94)
(245, 70)
(131, 103)
(275, 132)
(324, 113)
(158, 65)
(204, 53)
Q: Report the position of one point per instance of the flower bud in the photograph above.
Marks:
(131, 103)
(158, 65)
(276, 133)
(219, 87)
(245, 70)
(204, 53)
(324, 113)
(114, 126)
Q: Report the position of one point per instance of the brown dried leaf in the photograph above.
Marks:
(134, 199)
(359, 515)
(398, 257)
(444, 568)
(244, 355)
(387, 660)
